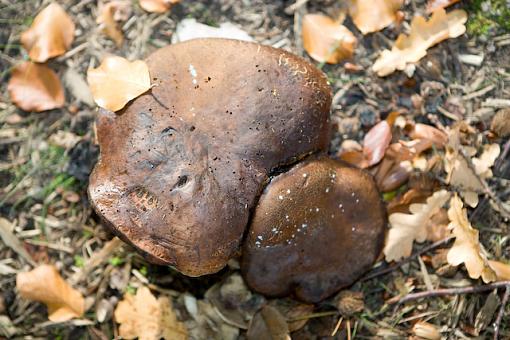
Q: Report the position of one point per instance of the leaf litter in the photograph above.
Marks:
(52, 228)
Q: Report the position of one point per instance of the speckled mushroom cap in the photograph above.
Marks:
(182, 165)
(316, 229)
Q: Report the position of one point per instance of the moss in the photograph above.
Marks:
(488, 15)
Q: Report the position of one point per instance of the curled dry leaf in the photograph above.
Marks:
(50, 35)
(407, 228)
(117, 81)
(157, 6)
(466, 248)
(374, 15)
(325, 40)
(427, 132)
(426, 331)
(432, 5)
(375, 143)
(109, 15)
(268, 323)
(148, 318)
(35, 87)
(44, 284)
(501, 123)
(424, 34)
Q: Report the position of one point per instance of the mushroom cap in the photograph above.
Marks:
(316, 229)
(182, 165)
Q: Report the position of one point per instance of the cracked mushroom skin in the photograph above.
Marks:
(182, 166)
(316, 229)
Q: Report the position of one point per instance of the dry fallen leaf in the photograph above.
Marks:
(424, 131)
(432, 5)
(268, 323)
(157, 6)
(501, 269)
(426, 331)
(374, 15)
(109, 15)
(117, 81)
(406, 228)
(44, 284)
(35, 87)
(501, 123)
(148, 318)
(423, 34)
(461, 175)
(375, 143)
(325, 40)
(467, 248)
(50, 35)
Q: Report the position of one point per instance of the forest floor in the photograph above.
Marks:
(46, 158)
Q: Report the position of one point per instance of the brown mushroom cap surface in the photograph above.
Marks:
(182, 165)
(316, 229)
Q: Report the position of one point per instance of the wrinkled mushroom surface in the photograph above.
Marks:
(181, 166)
(316, 229)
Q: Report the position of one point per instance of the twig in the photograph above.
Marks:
(426, 249)
(448, 291)
(501, 312)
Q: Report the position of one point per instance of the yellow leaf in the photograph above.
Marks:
(35, 87)
(423, 34)
(148, 318)
(326, 40)
(44, 284)
(117, 81)
(407, 228)
(157, 6)
(466, 248)
(50, 35)
(373, 15)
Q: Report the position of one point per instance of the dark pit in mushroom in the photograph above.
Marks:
(182, 167)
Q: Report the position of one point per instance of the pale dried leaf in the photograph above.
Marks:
(117, 81)
(501, 269)
(325, 40)
(432, 5)
(501, 123)
(157, 6)
(109, 14)
(268, 323)
(423, 34)
(407, 228)
(51, 34)
(374, 15)
(423, 131)
(35, 87)
(425, 330)
(467, 248)
(44, 284)
(10, 240)
(189, 28)
(148, 318)
(486, 160)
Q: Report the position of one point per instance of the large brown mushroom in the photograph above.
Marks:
(316, 229)
(181, 166)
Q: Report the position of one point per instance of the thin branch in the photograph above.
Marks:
(424, 250)
(501, 312)
(448, 291)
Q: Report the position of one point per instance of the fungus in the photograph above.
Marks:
(181, 166)
(325, 233)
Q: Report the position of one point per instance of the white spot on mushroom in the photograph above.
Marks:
(260, 237)
(352, 194)
(274, 230)
(305, 175)
(304, 225)
(317, 209)
(357, 200)
(340, 205)
(280, 197)
(327, 190)
(288, 191)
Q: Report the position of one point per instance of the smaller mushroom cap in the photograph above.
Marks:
(317, 228)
